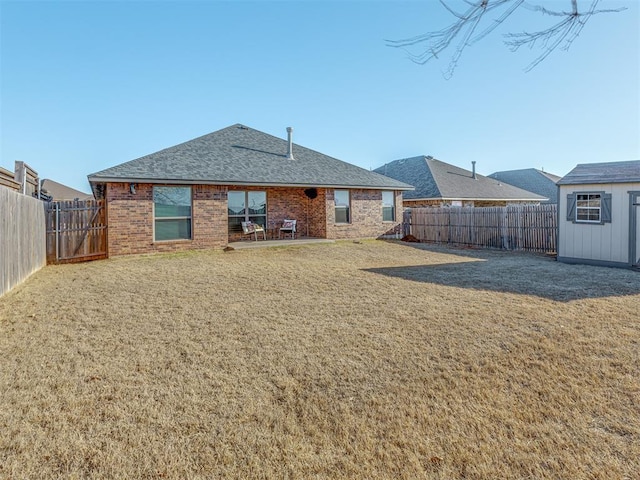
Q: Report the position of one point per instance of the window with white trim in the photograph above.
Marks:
(388, 206)
(588, 207)
(342, 200)
(246, 206)
(171, 213)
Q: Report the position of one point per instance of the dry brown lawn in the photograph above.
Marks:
(346, 360)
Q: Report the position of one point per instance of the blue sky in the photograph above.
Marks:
(88, 85)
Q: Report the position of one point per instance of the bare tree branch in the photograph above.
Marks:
(562, 34)
(464, 31)
(499, 20)
(437, 42)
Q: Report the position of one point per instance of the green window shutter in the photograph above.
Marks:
(606, 208)
(571, 207)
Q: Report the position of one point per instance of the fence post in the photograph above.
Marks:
(21, 176)
(57, 230)
(406, 222)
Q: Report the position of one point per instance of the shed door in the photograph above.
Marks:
(635, 229)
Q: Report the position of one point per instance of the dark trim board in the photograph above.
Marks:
(634, 202)
(594, 263)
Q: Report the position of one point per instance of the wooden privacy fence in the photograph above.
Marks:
(522, 227)
(7, 179)
(22, 238)
(76, 231)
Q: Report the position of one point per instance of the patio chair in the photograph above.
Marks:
(249, 228)
(288, 226)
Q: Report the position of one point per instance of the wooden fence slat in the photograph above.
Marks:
(22, 238)
(519, 227)
(76, 231)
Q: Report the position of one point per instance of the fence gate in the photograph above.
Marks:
(76, 231)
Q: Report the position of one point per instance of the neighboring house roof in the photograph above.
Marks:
(239, 155)
(611, 172)
(532, 180)
(59, 191)
(434, 179)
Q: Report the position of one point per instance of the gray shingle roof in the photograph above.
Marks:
(434, 179)
(611, 172)
(532, 180)
(238, 155)
(59, 191)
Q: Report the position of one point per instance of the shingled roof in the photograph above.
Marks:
(611, 172)
(532, 180)
(58, 191)
(239, 155)
(435, 180)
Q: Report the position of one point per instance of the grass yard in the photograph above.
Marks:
(346, 360)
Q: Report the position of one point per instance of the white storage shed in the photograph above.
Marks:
(599, 214)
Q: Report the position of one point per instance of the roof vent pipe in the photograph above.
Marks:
(290, 143)
(473, 169)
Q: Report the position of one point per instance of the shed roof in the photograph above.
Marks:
(610, 172)
(532, 180)
(435, 179)
(239, 155)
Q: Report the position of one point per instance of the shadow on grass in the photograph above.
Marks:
(520, 273)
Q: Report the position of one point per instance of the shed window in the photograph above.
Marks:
(172, 213)
(342, 200)
(589, 207)
(388, 206)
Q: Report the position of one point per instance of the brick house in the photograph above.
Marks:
(439, 184)
(196, 194)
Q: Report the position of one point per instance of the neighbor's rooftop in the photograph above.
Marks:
(531, 179)
(435, 179)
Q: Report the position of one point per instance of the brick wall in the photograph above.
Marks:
(130, 217)
(209, 216)
(433, 203)
(291, 203)
(130, 220)
(488, 203)
(366, 216)
(318, 215)
(465, 203)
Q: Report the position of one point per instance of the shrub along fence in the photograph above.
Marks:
(522, 227)
(22, 238)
